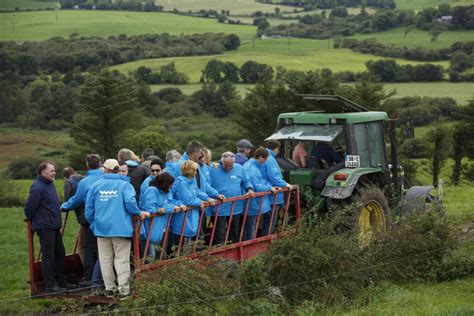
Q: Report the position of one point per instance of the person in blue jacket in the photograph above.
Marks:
(156, 167)
(184, 189)
(253, 168)
(157, 199)
(42, 209)
(230, 180)
(172, 158)
(110, 205)
(94, 173)
(272, 173)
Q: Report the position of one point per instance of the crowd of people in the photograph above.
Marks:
(106, 198)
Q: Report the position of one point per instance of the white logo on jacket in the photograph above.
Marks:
(106, 195)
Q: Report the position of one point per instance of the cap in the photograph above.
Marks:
(243, 143)
(111, 164)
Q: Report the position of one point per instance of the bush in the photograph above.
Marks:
(24, 168)
(416, 148)
(10, 193)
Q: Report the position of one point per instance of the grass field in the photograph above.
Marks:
(10, 5)
(236, 7)
(303, 55)
(418, 38)
(461, 92)
(34, 26)
(16, 143)
(422, 4)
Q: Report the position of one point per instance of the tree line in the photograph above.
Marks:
(64, 55)
(340, 23)
(130, 5)
(309, 5)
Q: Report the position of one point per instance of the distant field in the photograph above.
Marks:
(303, 55)
(273, 22)
(419, 38)
(34, 26)
(421, 4)
(236, 7)
(28, 4)
(461, 92)
(17, 143)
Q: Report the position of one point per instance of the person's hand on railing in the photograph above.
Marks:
(144, 215)
(221, 197)
(211, 201)
(290, 186)
(250, 193)
(275, 190)
(160, 211)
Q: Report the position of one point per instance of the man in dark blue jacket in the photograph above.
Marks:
(42, 208)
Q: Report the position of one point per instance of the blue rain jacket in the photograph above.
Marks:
(206, 172)
(144, 186)
(151, 201)
(253, 169)
(79, 198)
(272, 173)
(232, 183)
(170, 167)
(110, 205)
(204, 188)
(185, 190)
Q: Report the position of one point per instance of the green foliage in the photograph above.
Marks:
(441, 139)
(24, 167)
(108, 112)
(217, 71)
(9, 193)
(217, 99)
(253, 72)
(154, 137)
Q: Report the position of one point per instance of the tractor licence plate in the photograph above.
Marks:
(352, 161)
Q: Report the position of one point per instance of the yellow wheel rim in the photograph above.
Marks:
(371, 221)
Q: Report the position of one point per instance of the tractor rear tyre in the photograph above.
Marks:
(365, 212)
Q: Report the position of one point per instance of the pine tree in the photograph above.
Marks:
(108, 114)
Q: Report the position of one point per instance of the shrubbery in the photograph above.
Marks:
(24, 167)
(9, 193)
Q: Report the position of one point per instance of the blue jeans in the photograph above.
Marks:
(151, 249)
(97, 275)
(249, 230)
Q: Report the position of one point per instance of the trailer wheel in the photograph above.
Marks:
(365, 212)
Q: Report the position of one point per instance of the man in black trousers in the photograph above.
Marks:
(42, 208)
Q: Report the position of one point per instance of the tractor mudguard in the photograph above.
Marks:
(415, 199)
(341, 190)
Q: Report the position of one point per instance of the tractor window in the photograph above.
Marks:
(362, 144)
(376, 144)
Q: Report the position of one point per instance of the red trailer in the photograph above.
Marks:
(202, 246)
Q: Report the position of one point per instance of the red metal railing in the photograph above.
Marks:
(72, 264)
(237, 251)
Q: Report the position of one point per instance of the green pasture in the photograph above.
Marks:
(236, 7)
(447, 298)
(461, 92)
(35, 26)
(11, 5)
(422, 4)
(272, 21)
(418, 38)
(295, 54)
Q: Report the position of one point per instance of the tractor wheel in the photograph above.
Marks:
(365, 212)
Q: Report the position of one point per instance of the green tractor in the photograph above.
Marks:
(347, 166)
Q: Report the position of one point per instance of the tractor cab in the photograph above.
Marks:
(343, 142)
